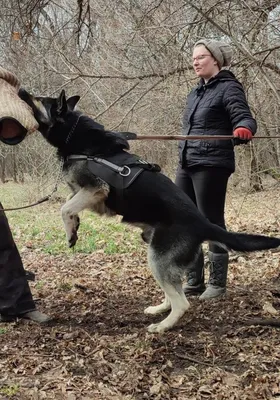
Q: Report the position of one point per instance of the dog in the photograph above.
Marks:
(171, 223)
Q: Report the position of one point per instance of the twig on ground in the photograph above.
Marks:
(263, 322)
(188, 358)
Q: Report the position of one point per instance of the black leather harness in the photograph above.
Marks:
(119, 170)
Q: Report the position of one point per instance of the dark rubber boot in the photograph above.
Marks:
(218, 276)
(195, 280)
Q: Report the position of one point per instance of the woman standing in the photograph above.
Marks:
(217, 106)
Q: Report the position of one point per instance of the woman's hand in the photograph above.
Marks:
(243, 134)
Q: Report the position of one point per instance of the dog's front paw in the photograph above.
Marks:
(73, 239)
(157, 328)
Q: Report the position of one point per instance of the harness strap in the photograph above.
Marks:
(120, 177)
(124, 170)
(109, 164)
(114, 167)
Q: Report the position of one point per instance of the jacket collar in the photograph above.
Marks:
(223, 75)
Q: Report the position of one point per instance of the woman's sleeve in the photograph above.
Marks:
(237, 107)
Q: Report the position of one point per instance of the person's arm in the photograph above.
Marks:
(243, 124)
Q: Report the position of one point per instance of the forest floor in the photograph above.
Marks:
(97, 345)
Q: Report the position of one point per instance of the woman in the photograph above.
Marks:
(217, 106)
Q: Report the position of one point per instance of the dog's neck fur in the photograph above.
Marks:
(87, 137)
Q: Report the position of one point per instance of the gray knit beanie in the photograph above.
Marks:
(221, 51)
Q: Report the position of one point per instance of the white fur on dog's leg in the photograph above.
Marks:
(161, 308)
(179, 305)
(71, 224)
(171, 285)
(85, 198)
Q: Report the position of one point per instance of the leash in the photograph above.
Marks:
(44, 199)
(194, 137)
(138, 137)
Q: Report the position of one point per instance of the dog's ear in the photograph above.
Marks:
(61, 103)
(72, 101)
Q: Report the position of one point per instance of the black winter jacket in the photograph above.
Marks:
(215, 108)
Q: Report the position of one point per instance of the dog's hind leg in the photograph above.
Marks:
(169, 277)
(86, 198)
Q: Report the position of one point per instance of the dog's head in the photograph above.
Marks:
(68, 130)
(49, 110)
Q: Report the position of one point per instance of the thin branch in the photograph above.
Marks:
(138, 100)
(163, 75)
(263, 322)
(194, 360)
(117, 100)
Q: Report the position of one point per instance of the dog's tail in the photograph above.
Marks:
(240, 241)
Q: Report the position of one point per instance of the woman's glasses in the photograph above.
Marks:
(201, 57)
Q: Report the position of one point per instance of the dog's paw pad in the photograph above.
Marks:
(156, 328)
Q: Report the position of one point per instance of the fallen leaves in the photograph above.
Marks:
(269, 309)
(97, 346)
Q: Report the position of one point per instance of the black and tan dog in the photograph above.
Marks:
(105, 178)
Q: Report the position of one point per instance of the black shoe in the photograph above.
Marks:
(7, 318)
(30, 276)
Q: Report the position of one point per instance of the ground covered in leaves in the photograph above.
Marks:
(97, 346)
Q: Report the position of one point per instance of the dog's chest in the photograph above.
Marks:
(78, 176)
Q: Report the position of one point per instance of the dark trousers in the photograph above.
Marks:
(207, 187)
(15, 295)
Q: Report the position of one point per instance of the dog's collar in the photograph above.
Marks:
(72, 129)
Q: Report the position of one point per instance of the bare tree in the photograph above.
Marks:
(130, 62)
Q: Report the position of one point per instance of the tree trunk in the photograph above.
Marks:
(3, 169)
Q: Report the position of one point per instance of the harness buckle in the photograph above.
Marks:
(127, 169)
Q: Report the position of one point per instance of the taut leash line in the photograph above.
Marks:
(46, 198)
(194, 137)
(141, 137)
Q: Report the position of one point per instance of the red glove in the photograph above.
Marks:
(243, 133)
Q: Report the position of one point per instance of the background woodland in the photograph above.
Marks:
(130, 61)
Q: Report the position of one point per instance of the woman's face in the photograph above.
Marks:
(204, 63)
